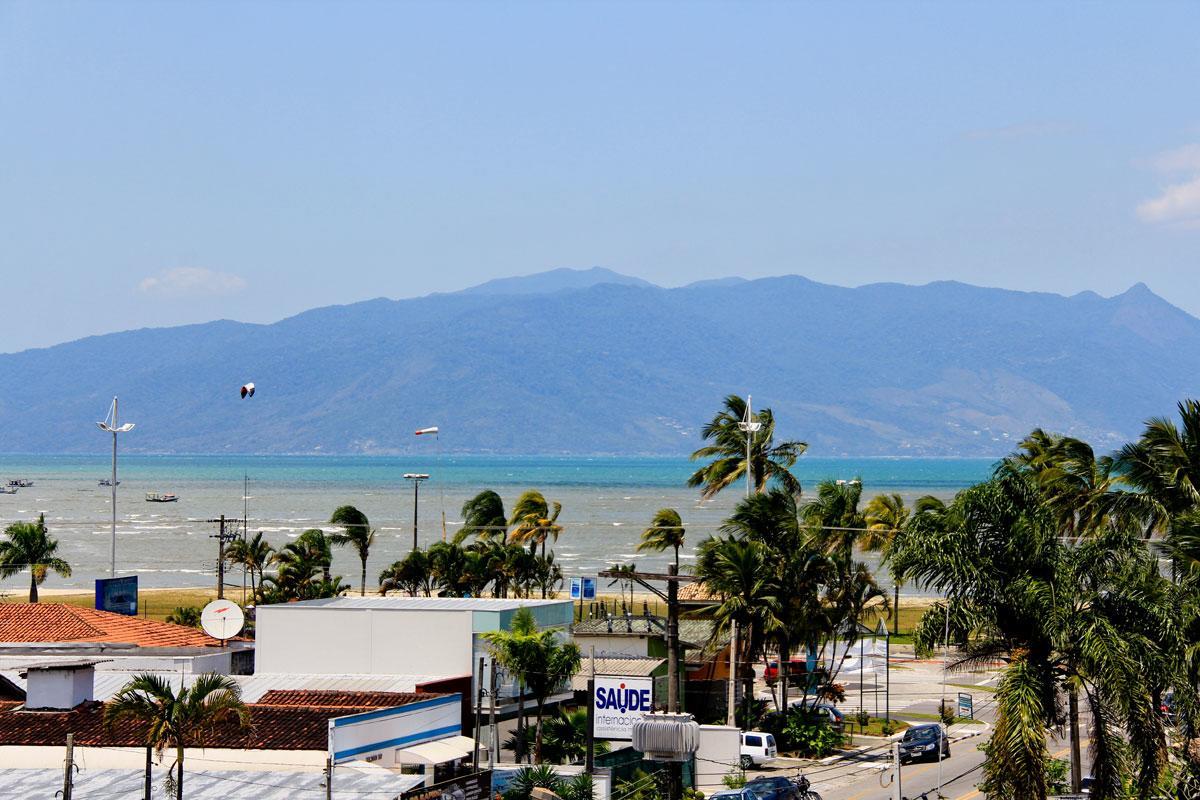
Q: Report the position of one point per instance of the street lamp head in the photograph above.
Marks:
(102, 426)
(126, 428)
(415, 476)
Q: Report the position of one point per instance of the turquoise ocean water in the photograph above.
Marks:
(606, 502)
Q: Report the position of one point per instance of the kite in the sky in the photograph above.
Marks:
(248, 391)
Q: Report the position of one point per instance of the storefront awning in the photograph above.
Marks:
(440, 751)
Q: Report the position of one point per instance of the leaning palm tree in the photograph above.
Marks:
(1163, 466)
(534, 521)
(834, 516)
(253, 554)
(30, 547)
(666, 530)
(483, 517)
(885, 517)
(768, 460)
(358, 533)
(178, 719)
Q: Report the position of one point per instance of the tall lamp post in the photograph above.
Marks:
(749, 426)
(110, 425)
(416, 478)
(441, 483)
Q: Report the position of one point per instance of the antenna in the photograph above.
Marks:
(222, 619)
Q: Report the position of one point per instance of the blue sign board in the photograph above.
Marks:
(583, 588)
(118, 595)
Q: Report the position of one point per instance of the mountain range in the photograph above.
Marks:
(591, 361)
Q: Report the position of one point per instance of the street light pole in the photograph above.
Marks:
(110, 425)
(416, 478)
(750, 427)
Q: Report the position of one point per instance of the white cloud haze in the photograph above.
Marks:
(191, 282)
(1179, 203)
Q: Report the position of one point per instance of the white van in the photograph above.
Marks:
(758, 748)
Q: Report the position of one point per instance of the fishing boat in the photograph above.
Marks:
(108, 482)
(20, 483)
(155, 497)
(8, 490)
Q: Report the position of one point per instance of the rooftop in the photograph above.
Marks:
(694, 633)
(52, 623)
(632, 666)
(405, 603)
(696, 592)
(336, 699)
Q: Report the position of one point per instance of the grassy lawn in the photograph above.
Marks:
(936, 718)
(874, 726)
(910, 615)
(974, 687)
(152, 604)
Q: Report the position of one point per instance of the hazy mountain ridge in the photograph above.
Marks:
(624, 367)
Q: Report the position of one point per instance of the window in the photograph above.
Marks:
(770, 740)
(753, 741)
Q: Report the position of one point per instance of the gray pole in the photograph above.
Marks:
(221, 561)
(887, 671)
(495, 737)
(416, 498)
(478, 718)
(68, 767)
(112, 571)
(148, 789)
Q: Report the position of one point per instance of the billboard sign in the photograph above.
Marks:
(617, 702)
(118, 595)
(583, 588)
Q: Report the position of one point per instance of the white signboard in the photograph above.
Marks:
(618, 702)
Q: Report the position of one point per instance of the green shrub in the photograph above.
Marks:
(734, 779)
(810, 737)
(948, 712)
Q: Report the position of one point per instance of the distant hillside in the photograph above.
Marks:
(886, 369)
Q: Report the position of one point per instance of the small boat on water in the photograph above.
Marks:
(8, 490)
(108, 482)
(155, 497)
(20, 483)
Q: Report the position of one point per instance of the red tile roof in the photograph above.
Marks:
(55, 622)
(272, 727)
(324, 698)
(696, 591)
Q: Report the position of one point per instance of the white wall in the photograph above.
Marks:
(316, 640)
(194, 758)
(359, 736)
(720, 745)
(58, 688)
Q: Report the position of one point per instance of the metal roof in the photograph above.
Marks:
(356, 780)
(404, 603)
(632, 667)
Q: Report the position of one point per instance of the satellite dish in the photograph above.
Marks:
(222, 619)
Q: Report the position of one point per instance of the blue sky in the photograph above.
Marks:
(166, 163)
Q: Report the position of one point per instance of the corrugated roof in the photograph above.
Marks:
(632, 667)
(404, 603)
(328, 699)
(56, 622)
(695, 633)
(353, 781)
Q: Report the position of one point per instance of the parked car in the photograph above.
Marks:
(775, 787)
(758, 748)
(831, 714)
(797, 667)
(734, 794)
(920, 743)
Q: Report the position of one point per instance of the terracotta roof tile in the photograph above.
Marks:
(56, 622)
(696, 591)
(273, 727)
(325, 698)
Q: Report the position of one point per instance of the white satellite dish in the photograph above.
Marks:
(222, 619)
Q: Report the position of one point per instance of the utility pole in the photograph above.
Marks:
(69, 767)
(897, 792)
(222, 536)
(416, 478)
(328, 778)
(148, 789)
(591, 717)
(671, 598)
(478, 718)
(731, 715)
(495, 734)
(1073, 714)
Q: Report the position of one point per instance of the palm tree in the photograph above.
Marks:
(741, 574)
(534, 521)
(253, 554)
(410, 574)
(1095, 616)
(728, 450)
(537, 659)
(483, 517)
(666, 530)
(834, 516)
(357, 533)
(302, 567)
(30, 547)
(885, 517)
(188, 616)
(178, 719)
(1077, 485)
(1163, 466)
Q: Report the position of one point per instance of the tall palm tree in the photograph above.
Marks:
(666, 530)
(253, 554)
(834, 515)
(29, 546)
(178, 719)
(886, 517)
(1163, 466)
(302, 566)
(537, 658)
(768, 460)
(534, 521)
(358, 533)
(1076, 484)
(483, 517)
(1094, 615)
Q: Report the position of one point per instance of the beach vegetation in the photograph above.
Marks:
(534, 520)
(356, 533)
(188, 616)
(29, 546)
(484, 518)
(254, 555)
(665, 530)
